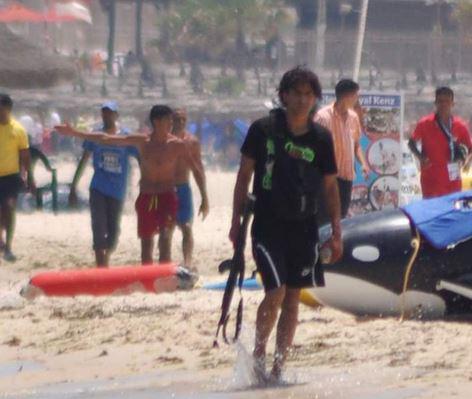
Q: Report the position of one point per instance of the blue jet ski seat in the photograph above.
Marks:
(444, 221)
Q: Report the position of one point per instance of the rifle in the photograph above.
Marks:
(236, 267)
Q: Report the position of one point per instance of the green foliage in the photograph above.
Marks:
(210, 27)
(463, 15)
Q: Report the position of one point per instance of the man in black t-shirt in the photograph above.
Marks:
(290, 157)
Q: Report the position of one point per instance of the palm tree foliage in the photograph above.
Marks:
(213, 29)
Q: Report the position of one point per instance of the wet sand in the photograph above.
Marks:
(144, 346)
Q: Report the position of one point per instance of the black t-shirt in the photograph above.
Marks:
(317, 138)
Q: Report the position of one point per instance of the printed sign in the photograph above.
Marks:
(383, 121)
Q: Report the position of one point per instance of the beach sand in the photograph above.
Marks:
(144, 346)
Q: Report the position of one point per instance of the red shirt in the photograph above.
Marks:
(435, 176)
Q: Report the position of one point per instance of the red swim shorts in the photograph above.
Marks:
(155, 212)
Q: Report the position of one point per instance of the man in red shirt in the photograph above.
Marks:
(443, 138)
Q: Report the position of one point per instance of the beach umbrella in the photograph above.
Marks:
(24, 65)
(53, 16)
(68, 12)
(18, 13)
(60, 12)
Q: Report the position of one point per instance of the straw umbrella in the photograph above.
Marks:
(24, 65)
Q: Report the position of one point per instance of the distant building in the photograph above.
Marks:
(401, 34)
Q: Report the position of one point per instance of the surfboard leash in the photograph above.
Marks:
(416, 244)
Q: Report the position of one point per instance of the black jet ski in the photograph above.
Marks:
(389, 269)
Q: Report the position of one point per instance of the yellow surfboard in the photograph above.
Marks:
(306, 297)
(467, 180)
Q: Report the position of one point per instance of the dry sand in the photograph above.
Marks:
(52, 342)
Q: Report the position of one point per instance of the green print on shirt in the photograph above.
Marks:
(305, 153)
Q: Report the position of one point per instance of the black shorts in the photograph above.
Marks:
(345, 194)
(10, 186)
(287, 253)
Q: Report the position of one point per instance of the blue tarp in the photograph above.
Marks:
(241, 127)
(209, 131)
(218, 135)
(444, 221)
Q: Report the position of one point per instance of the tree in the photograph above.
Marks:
(306, 11)
(307, 16)
(463, 14)
(109, 6)
(139, 30)
(159, 4)
(213, 29)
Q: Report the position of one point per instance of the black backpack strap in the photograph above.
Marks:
(272, 124)
(448, 134)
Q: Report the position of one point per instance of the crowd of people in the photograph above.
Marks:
(167, 156)
(301, 164)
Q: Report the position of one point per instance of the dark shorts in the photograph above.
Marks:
(287, 253)
(10, 186)
(155, 212)
(106, 217)
(345, 194)
(185, 211)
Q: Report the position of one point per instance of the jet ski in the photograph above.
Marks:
(412, 262)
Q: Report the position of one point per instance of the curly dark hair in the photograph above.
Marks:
(296, 76)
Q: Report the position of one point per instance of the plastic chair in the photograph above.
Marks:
(37, 155)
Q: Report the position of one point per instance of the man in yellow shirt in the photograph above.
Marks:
(14, 167)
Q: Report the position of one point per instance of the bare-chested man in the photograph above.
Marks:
(184, 193)
(159, 155)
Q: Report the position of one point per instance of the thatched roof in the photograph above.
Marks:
(24, 65)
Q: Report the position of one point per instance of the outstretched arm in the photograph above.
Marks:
(103, 138)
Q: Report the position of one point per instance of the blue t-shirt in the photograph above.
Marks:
(111, 166)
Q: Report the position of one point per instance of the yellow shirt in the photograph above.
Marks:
(13, 139)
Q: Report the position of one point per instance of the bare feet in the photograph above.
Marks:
(275, 377)
(259, 370)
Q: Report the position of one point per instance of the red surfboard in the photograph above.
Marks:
(109, 281)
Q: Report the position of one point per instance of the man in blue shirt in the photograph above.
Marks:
(108, 186)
